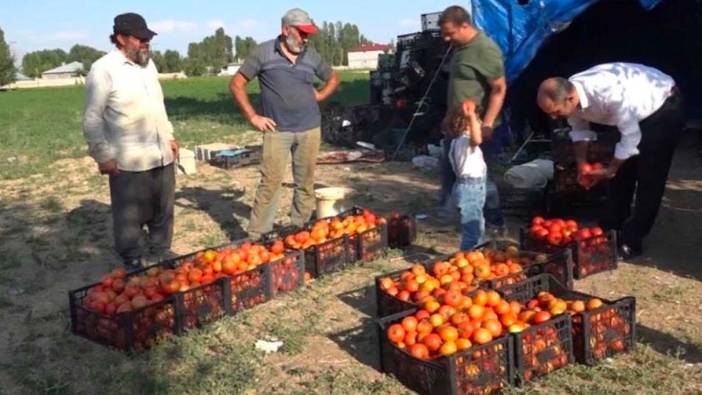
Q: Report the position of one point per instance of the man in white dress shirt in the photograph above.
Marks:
(129, 136)
(646, 107)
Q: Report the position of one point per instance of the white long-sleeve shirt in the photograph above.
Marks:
(125, 116)
(466, 161)
(618, 94)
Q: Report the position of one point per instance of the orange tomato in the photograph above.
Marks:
(396, 333)
(448, 333)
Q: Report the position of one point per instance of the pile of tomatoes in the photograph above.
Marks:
(327, 229)
(118, 294)
(461, 272)
(455, 322)
(560, 232)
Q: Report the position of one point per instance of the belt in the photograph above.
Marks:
(470, 180)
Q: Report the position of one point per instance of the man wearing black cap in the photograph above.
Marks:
(129, 136)
(289, 118)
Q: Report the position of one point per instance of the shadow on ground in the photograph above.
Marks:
(665, 343)
(222, 205)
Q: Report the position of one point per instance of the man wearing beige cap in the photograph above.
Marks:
(289, 116)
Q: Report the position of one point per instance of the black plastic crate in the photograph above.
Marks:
(402, 231)
(320, 259)
(601, 150)
(542, 349)
(371, 244)
(559, 264)
(131, 331)
(594, 255)
(250, 288)
(204, 304)
(597, 334)
(287, 273)
(522, 203)
(481, 369)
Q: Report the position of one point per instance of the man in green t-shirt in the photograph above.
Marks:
(477, 73)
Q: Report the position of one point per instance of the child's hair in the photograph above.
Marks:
(456, 123)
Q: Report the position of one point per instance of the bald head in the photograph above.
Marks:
(557, 97)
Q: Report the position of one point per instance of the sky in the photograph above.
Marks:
(48, 24)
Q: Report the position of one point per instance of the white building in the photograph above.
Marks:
(230, 69)
(73, 69)
(366, 56)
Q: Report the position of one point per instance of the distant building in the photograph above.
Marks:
(366, 56)
(230, 69)
(70, 70)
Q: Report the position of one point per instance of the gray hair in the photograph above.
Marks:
(556, 89)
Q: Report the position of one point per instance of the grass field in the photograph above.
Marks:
(55, 236)
(40, 126)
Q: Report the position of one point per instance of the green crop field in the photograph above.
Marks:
(40, 126)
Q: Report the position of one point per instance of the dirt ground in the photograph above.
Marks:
(55, 233)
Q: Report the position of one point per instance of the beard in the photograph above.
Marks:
(293, 46)
(139, 56)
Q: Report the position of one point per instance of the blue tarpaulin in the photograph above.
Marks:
(520, 30)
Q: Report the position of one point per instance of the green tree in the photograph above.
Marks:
(7, 62)
(195, 67)
(214, 51)
(159, 61)
(243, 47)
(84, 54)
(173, 61)
(35, 63)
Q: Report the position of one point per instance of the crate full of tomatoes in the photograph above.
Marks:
(132, 311)
(593, 250)
(459, 347)
(331, 244)
(368, 233)
(487, 267)
(601, 328)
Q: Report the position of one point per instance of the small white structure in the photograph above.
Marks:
(230, 69)
(70, 70)
(366, 56)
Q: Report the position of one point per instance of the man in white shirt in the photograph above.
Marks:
(129, 136)
(646, 107)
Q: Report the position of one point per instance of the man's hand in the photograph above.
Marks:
(109, 167)
(175, 149)
(263, 124)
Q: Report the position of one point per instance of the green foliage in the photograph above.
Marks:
(195, 67)
(84, 54)
(173, 62)
(159, 61)
(170, 62)
(35, 63)
(213, 52)
(7, 66)
(334, 40)
(243, 47)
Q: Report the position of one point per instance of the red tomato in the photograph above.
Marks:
(585, 168)
(596, 231)
(537, 220)
(554, 238)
